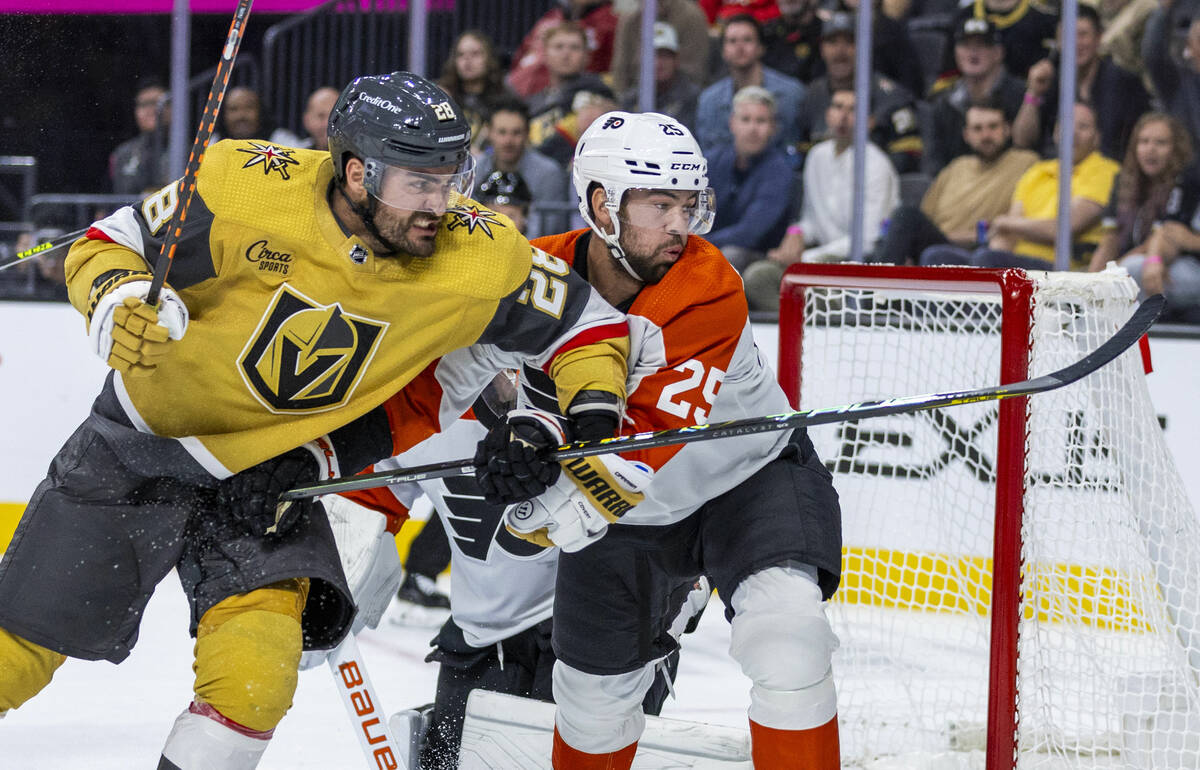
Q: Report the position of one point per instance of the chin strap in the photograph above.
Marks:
(367, 215)
(614, 244)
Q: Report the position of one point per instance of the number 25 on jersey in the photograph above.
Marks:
(676, 398)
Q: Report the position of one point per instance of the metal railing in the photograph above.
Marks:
(339, 40)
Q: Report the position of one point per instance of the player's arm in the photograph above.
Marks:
(559, 323)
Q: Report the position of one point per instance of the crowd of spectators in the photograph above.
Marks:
(962, 164)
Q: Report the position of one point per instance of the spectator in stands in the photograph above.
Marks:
(566, 55)
(980, 60)
(243, 117)
(1154, 212)
(587, 105)
(1026, 30)
(675, 92)
(742, 50)
(974, 188)
(474, 79)
(893, 112)
(1117, 94)
(722, 10)
(506, 193)
(139, 165)
(316, 117)
(531, 72)
(823, 232)
(1024, 237)
(1124, 23)
(1176, 83)
(893, 54)
(747, 174)
(793, 39)
(691, 30)
(508, 135)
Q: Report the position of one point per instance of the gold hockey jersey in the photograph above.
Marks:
(297, 328)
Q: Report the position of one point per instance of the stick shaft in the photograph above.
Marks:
(1125, 337)
(49, 247)
(363, 705)
(208, 123)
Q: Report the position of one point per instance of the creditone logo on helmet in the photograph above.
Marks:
(472, 217)
(270, 158)
(305, 356)
(380, 102)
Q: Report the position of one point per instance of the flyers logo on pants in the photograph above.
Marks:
(305, 356)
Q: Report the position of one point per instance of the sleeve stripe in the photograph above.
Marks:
(96, 234)
(589, 337)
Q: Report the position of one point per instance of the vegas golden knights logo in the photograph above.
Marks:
(305, 356)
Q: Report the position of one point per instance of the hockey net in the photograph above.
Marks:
(1021, 579)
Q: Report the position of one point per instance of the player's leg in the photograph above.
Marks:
(25, 668)
(247, 653)
(427, 558)
(256, 604)
(773, 546)
(612, 614)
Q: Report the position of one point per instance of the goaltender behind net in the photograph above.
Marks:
(309, 288)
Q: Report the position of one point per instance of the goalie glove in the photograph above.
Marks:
(129, 335)
(591, 493)
(369, 561)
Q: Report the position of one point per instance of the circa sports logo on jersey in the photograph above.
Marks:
(270, 158)
(267, 259)
(305, 356)
(472, 217)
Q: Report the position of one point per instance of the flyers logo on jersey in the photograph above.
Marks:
(305, 356)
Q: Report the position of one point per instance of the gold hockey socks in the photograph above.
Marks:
(25, 668)
(566, 758)
(815, 749)
(248, 654)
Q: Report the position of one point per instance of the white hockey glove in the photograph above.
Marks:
(131, 336)
(369, 560)
(591, 493)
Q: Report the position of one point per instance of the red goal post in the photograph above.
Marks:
(851, 331)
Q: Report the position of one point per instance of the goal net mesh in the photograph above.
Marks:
(1108, 636)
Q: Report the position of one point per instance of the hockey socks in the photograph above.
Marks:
(203, 738)
(567, 758)
(25, 668)
(771, 749)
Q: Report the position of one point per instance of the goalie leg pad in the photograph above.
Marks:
(248, 653)
(784, 644)
(202, 738)
(600, 714)
(25, 668)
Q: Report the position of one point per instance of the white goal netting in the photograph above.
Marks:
(1108, 625)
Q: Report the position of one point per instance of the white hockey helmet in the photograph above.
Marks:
(624, 151)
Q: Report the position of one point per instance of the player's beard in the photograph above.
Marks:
(646, 252)
(413, 233)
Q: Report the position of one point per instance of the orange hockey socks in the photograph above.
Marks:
(771, 749)
(567, 758)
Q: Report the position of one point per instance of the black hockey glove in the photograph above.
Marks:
(252, 496)
(511, 463)
(594, 414)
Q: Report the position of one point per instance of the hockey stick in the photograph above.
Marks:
(363, 705)
(208, 123)
(1125, 337)
(43, 248)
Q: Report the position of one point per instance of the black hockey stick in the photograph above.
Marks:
(208, 123)
(48, 247)
(1125, 337)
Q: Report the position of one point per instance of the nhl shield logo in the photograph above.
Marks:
(305, 356)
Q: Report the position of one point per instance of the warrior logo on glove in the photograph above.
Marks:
(594, 479)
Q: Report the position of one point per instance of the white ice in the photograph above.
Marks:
(105, 717)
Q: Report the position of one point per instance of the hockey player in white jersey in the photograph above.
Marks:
(758, 514)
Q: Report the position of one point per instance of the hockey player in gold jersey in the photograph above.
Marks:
(308, 289)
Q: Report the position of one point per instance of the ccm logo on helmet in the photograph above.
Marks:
(686, 166)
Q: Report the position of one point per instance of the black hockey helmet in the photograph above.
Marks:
(504, 187)
(399, 120)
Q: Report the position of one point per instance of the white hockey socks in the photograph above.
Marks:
(202, 739)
